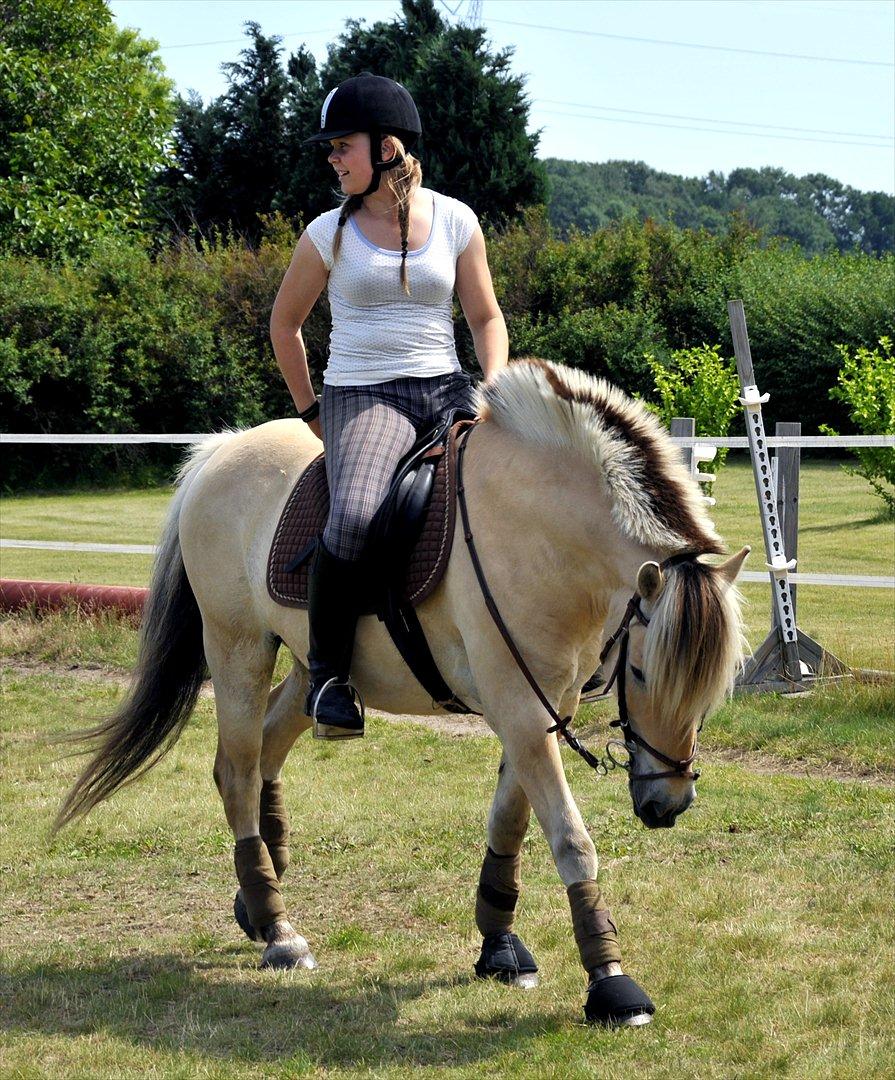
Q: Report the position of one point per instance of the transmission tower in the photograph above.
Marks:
(473, 16)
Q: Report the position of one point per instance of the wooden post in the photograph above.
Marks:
(683, 427)
(788, 465)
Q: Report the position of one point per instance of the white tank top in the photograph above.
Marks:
(378, 331)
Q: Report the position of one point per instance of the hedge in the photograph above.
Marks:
(178, 340)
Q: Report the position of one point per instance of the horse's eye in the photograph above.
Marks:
(638, 674)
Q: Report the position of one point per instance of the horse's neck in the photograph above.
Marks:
(546, 522)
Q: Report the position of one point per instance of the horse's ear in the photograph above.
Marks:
(733, 565)
(650, 580)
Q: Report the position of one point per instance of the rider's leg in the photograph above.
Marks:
(364, 439)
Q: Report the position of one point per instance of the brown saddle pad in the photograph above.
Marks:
(304, 517)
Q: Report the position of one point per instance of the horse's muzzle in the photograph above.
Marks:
(658, 813)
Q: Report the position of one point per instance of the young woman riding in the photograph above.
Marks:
(391, 257)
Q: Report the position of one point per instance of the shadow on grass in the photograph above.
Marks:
(201, 1007)
(845, 525)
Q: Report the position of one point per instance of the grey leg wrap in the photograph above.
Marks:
(258, 882)
(498, 891)
(595, 931)
(275, 825)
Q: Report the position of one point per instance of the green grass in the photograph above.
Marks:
(841, 531)
(761, 924)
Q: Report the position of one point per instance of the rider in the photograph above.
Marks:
(391, 256)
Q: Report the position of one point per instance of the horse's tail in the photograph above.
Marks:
(169, 673)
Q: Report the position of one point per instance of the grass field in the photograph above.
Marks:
(840, 532)
(761, 924)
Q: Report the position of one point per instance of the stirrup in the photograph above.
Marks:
(324, 729)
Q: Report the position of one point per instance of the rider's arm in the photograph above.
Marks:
(476, 293)
(304, 282)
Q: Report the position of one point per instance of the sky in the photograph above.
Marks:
(687, 86)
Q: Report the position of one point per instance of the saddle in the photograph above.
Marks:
(407, 550)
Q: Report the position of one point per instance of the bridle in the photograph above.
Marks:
(632, 741)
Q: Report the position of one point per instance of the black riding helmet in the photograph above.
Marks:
(373, 104)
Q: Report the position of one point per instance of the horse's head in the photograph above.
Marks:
(676, 663)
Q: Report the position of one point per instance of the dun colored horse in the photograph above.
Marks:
(577, 497)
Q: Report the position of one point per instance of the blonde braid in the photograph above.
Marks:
(348, 207)
(402, 182)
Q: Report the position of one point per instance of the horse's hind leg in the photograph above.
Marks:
(241, 669)
(503, 955)
(284, 721)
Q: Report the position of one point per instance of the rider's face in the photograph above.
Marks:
(349, 156)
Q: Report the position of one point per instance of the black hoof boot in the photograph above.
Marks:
(240, 913)
(615, 1001)
(505, 958)
(334, 712)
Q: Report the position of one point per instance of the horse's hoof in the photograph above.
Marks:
(240, 913)
(287, 954)
(504, 957)
(617, 1001)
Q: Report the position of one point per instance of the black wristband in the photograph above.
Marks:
(311, 412)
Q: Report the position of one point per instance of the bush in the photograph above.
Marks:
(699, 383)
(867, 386)
(126, 343)
(177, 340)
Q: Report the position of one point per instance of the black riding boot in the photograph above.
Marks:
(333, 607)
(594, 682)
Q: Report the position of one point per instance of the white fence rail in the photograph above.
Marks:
(844, 442)
(737, 442)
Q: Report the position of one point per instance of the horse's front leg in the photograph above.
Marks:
(503, 955)
(612, 997)
(241, 671)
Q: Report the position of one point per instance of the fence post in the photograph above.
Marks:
(788, 464)
(683, 427)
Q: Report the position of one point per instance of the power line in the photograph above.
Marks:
(242, 40)
(711, 131)
(694, 45)
(715, 120)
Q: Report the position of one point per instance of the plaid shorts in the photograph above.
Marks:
(366, 432)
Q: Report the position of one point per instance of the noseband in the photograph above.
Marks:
(632, 741)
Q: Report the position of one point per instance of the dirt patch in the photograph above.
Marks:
(462, 726)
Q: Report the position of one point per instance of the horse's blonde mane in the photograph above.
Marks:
(654, 501)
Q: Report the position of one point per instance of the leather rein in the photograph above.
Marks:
(632, 741)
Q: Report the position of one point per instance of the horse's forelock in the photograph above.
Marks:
(694, 645)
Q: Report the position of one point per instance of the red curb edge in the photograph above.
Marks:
(49, 595)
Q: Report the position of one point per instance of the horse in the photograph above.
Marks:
(593, 537)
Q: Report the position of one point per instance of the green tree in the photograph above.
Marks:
(241, 157)
(85, 111)
(698, 382)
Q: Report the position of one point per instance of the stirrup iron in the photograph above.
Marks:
(325, 730)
